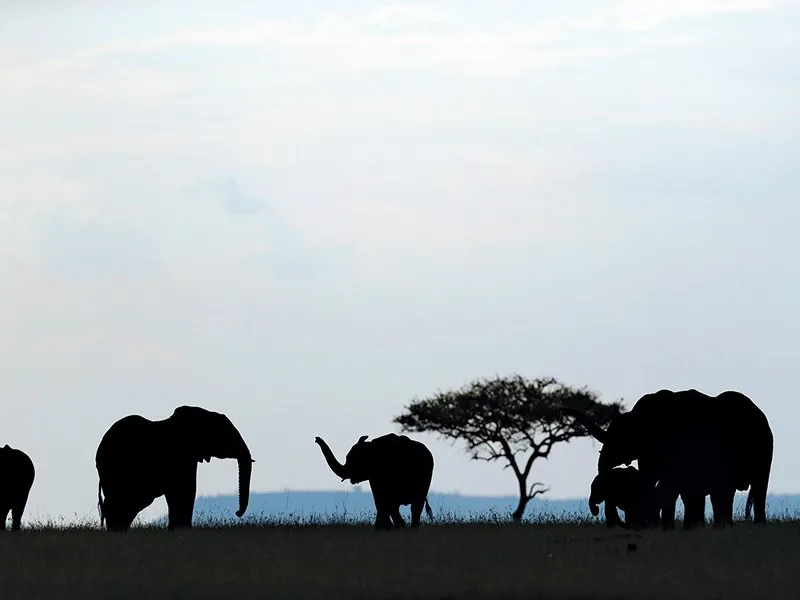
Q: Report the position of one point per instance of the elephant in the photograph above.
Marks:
(692, 445)
(139, 460)
(625, 488)
(16, 480)
(399, 471)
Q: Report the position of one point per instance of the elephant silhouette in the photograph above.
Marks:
(139, 460)
(694, 445)
(16, 480)
(399, 471)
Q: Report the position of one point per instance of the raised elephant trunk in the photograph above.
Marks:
(337, 467)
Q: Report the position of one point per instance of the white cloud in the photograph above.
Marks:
(645, 14)
(413, 36)
(389, 37)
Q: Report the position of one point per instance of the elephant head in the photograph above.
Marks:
(625, 488)
(204, 434)
(359, 462)
(621, 440)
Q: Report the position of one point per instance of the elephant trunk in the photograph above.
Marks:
(245, 470)
(594, 506)
(241, 453)
(597, 495)
(337, 467)
(593, 428)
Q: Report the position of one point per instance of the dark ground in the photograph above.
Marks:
(475, 561)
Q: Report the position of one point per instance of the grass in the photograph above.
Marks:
(324, 557)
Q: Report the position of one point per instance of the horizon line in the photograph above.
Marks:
(356, 490)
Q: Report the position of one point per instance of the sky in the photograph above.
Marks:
(305, 217)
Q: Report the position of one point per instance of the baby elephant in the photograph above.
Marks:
(626, 489)
(16, 480)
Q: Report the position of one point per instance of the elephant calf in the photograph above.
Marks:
(16, 480)
(625, 488)
(399, 471)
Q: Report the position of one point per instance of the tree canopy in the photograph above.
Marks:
(512, 418)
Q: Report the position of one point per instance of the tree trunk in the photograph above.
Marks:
(517, 514)
(524, 498)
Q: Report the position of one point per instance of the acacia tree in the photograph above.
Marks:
(513, 419)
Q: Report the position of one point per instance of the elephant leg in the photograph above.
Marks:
(758, 493)
(722, 503)
(180, 506)
(180, 498)
(17, 508)
(119, 514)
(3, 516)
(693, 511)
(383, 518)
(760, 510)
(397, 518)
(383, 522)
(612, 516)
(416, 513)
(667, 501)
(16, 517)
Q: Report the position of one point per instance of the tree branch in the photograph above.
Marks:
(533, 492)
(511, 457)
(534, 455)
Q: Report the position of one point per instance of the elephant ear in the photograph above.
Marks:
(191, 432)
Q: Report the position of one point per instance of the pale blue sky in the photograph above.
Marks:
(304, 217)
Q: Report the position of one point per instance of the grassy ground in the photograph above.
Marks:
(475, 561)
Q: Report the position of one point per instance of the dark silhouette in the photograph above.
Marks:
(16, 479)
(694, 445)
(139, 460)
(503, 418)
(399, 471)
(694, 506)
(625, 488)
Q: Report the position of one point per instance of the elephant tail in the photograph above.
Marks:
(428, 509)
(100, 503)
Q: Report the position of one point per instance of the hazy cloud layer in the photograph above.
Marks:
(305, 216)
(94, 249)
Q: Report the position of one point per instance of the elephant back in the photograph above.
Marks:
(16, 466)
(406, 466)
(131, 443)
